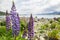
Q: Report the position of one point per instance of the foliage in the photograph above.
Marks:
(53, 34)
(52, 28)
(4, 35)
(3, 23)
(23, 25)
(45, 26)
(53, 25)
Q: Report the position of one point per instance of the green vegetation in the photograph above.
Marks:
(53, 35)
(2, 13)
(4, 35)
(3, 23)
(52, 29)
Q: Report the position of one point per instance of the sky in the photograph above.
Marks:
(31, 6)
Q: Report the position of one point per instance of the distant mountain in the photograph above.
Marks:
(2, 13)
(53, 13)
(49, 13)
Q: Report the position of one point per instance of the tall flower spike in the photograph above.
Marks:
(15, 21)
(8, 24)
(31, 28)
(13, 7)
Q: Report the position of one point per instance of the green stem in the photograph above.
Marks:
(14, 37)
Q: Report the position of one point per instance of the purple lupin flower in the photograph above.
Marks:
(8, 24)
(15, 21)
(31, 28)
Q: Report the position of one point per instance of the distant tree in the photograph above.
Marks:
(2, 13)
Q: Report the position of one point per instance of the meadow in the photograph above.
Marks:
(49, 31)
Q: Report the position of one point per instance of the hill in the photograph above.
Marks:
(2, 13)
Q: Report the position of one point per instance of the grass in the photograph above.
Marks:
(4, 35)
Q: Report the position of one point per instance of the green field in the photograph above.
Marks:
(50, 30)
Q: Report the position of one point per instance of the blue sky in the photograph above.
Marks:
(31, 6)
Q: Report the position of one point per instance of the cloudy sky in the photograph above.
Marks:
(31, 6)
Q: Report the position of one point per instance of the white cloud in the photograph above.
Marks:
(29, 6)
